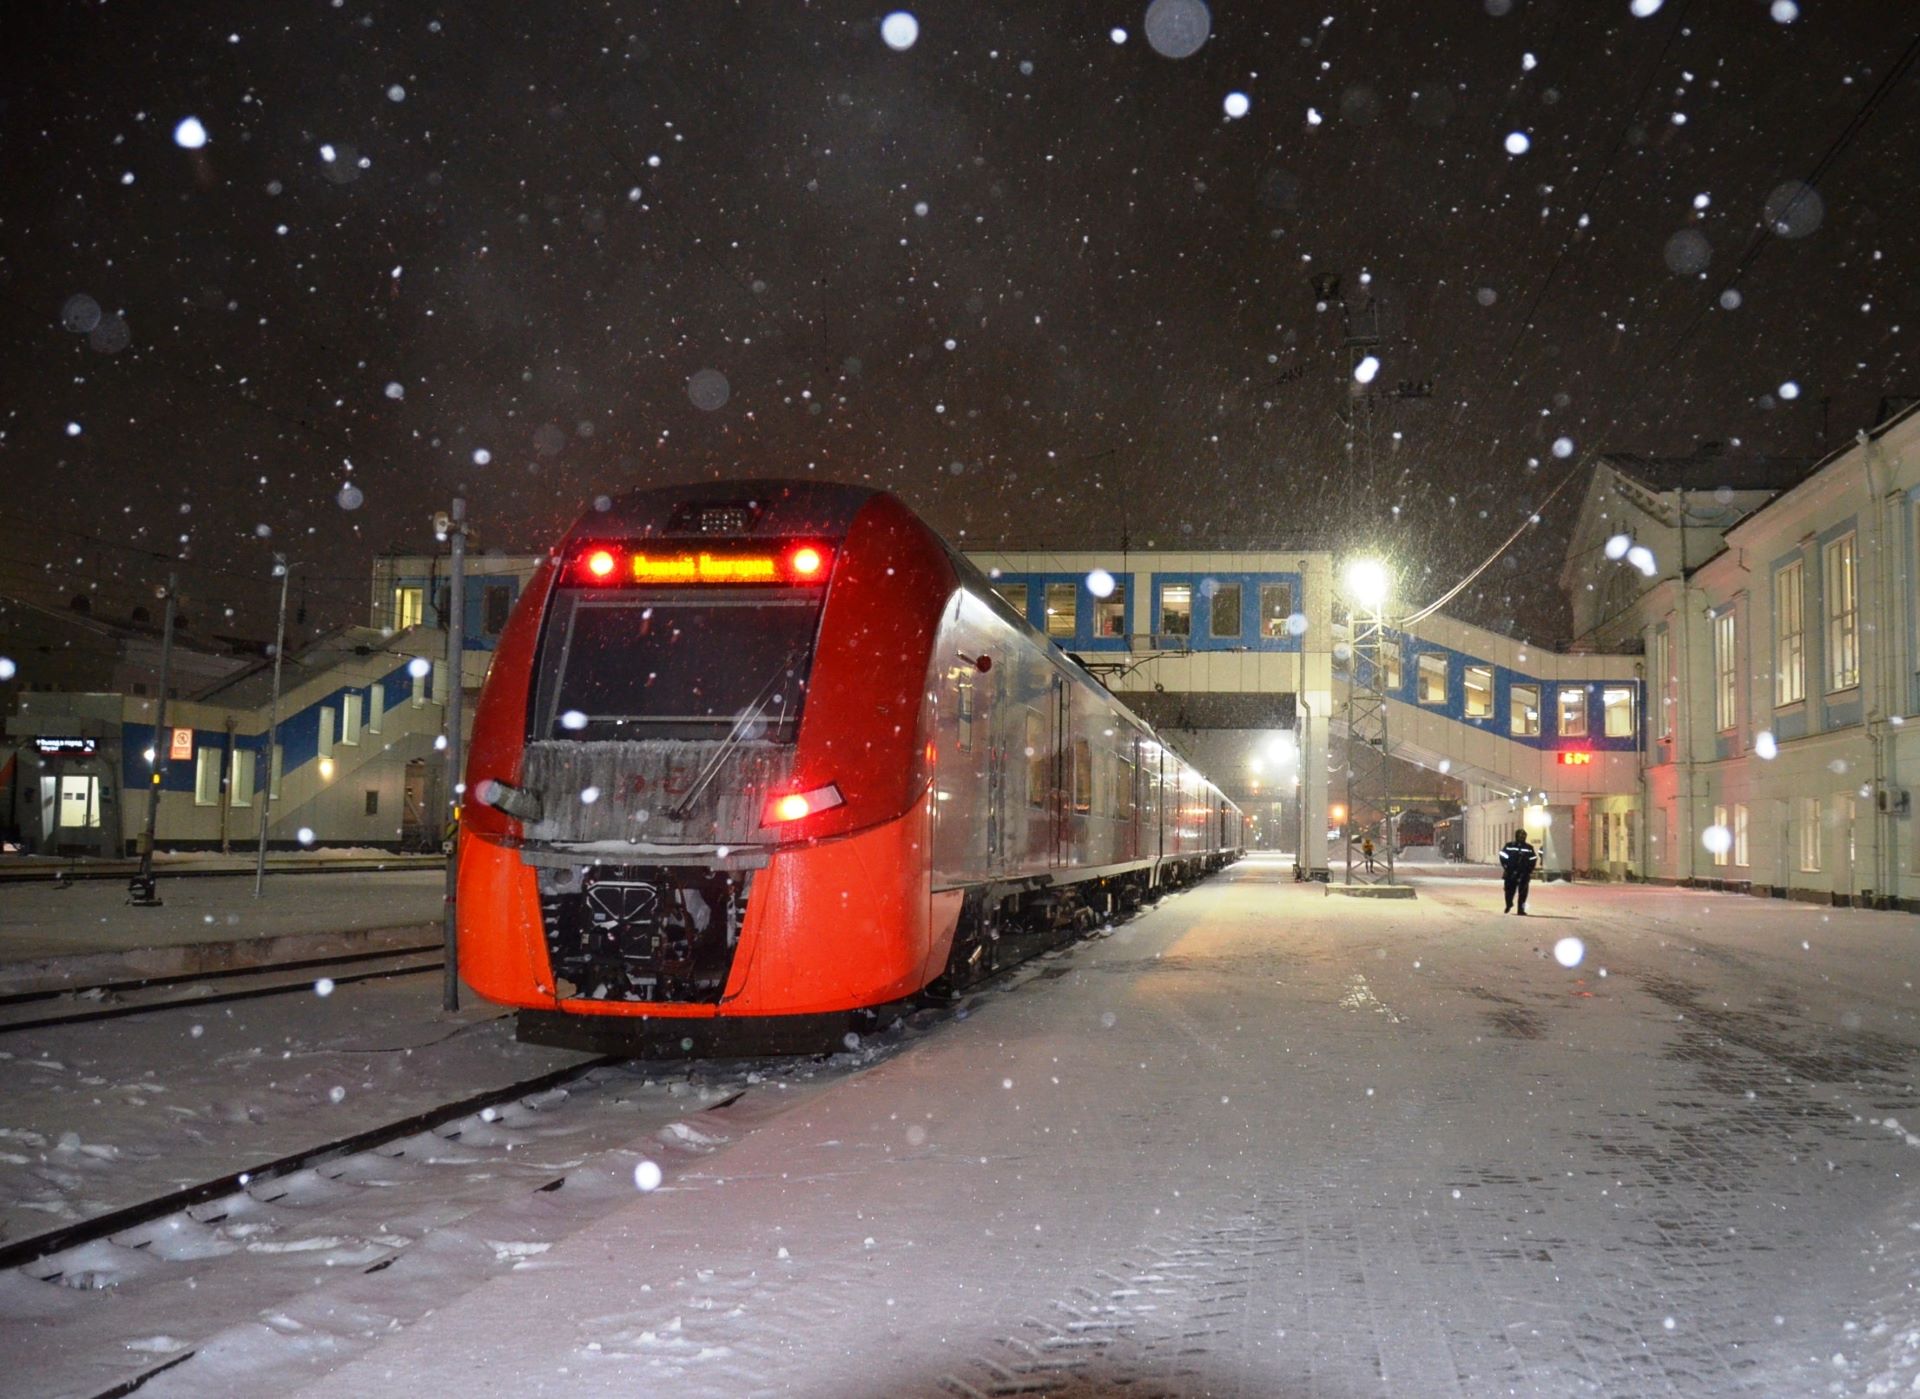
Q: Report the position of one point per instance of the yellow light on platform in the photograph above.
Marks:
(326, 769)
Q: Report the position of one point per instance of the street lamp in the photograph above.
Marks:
(285, 571)
(1368, 583)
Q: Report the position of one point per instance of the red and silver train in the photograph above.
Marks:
(762, 753)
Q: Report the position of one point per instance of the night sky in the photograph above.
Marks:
(1032, 279)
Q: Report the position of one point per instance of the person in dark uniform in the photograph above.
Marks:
(1517, 859)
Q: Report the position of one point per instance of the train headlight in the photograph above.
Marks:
(795, 805)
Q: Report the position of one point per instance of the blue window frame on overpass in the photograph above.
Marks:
(1091, 616)
(1226, 611)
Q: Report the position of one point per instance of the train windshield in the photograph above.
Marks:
(633, 668)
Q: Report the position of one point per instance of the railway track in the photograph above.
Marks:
(110, 1000)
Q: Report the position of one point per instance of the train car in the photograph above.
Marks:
(769, 754)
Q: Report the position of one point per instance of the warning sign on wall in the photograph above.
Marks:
(181, 749)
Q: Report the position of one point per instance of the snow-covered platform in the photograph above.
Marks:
(1258, 1142)
(52, 935)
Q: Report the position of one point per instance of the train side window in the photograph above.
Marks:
(1082, 775)
(1037, 763)
(965, 706)
(1063, 605)
(1225, 621)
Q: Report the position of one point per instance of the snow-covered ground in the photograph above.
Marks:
(1259, 1141)
(41, 920)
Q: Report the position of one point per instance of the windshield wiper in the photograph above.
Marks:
(732, 740)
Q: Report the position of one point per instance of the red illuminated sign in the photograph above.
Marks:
(1575, 760)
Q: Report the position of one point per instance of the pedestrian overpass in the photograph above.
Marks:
(1235, 656)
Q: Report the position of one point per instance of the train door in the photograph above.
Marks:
(1060, 805)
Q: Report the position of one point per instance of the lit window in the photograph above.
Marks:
(350, 719)
(1276, 606)
(1720, 846)
(1843, 615)
(206, 775)
(1431, 669)
(418, 674)
(1573, 711)
(1176, 610)
(1726, 682)
(240, 784)
(1662, 681)
(1390, 674)
(408, 605)
(1063, 601)
(1224, 620)
(326, 731)
(1014, 595)
(1523, 710)
(1616, 711)
(1810, 835)
(1740, 834)
(1479, 692)
(1790, 634)
(376, 705)
(1110, 612)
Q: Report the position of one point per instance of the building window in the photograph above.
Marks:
(1726, 677)
(1176, 610)
(1790, 634)
(1110, 612)
(275, 766)
(1225, 622)
(373, 801)
(376, 705)
(1720, 845)
(350, 719)
(1063, 603)
(418, 674)
(206, 775)
(1810, 835)
(1843, 615)
(1661, 681)
(1014, 595)
(240, 783)
(1390, 673)
(1740, 849)
(498, 605)
(408, 605)
(1276, 606)
(1479, 692)
(1616, 711)
(1431, 669)
(325, 749)
(1523, 710)
(1573, 711)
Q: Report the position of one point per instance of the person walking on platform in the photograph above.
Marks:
(1517, 859)
(1366, 852)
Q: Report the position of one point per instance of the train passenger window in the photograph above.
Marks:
(1063, 606)
(1014, 595)
(965, 706)
(1037, 761)
(1082, 775)
(1110, 612)
(1225, 620)
(660, 669)
(1176, 610)
(1479, 692)
(1432, 670)
(1276, 605)
(1523, 710)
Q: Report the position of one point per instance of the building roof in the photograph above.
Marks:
(1710, 469)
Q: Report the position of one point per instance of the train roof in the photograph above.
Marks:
(736, 509)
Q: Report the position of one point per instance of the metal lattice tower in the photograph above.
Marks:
(1369, 778)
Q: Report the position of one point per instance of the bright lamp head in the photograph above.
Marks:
(1367, 583)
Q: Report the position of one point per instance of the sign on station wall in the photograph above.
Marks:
(181, 749)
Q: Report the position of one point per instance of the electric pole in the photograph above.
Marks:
(285, 570)
(140, 890)
(453, 527)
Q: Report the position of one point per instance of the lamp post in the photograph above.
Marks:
(285, 570)
(140, 890)
(1369, 771)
